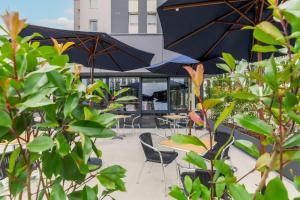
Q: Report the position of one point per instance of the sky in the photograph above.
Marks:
(50, 13)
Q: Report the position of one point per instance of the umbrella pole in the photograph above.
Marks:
(190, 107)
(91, 66)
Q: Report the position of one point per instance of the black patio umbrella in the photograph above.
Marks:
(174, 66)
(93, 49)
(203, 29)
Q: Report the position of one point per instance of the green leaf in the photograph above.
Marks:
(71, 103)
(58, 192)
(226, 113)
(188, 184)
(289, 100)
(126, 98)
(268, 33)
(244, 96)
(239, 192)
(224, 67)
(276, 190)
(230, 61)
(30, 37)
(254, 124)
(247, 146)
(5, 120)
(220, 186)
(210, 103)
(195, 159)
(264, 49)
(111, 178)
(91, 129)
(62, 144)
(86, 147)
(38, 99)
(13, 159)
(187, 139)
(40, 144)
(177, 193)
(119, 92)
(297, 182)
(43, 70)
(262, 162)
(87, 193)
(57, 80)
(59, 60)
(51, 163)
(294, 116)
(292, 7)
(292, 141)
(22, 65)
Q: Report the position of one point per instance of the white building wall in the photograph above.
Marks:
(84, 13)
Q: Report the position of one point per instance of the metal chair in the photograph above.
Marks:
(4, 165)
(162, 124)
(153, 155)
(224, 140)
(133, 122)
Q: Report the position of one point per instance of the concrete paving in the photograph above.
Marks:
(128, 153)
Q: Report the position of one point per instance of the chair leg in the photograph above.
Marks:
(164, 177)
(150, 168)
(140, 173)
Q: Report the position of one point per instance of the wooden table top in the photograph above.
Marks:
(187, 147)
(122, 116)
(175, 117)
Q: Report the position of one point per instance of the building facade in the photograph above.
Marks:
(136, 23)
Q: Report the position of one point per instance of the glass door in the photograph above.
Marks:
(154, 95)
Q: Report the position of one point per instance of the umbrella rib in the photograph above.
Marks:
(239, 12)
(198, 4)
(112, 58)
(105, 49)
(125, 52)
(228, 22)
(225, 33)
(186, 36)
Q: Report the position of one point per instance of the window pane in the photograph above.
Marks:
(133, 83)
(151, 23)
(179, 94)
(93, 25)
(133, 23)
(151, 5)
(154, 94)
(133, 6)
(93, 3)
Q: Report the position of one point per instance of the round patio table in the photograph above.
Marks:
(174, 118)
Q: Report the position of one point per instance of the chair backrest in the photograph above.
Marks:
(157, 122)
(146, 139)
(222, 138)
(4, 165)
(203, 175)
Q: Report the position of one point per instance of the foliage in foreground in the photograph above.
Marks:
(273, 89)
(45, 112)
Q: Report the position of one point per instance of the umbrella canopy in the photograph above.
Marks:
(203, 29)
(93, 49)
(174, 66)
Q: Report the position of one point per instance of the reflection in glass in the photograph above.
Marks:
(118, 83)
(154, 94)
(179, 94)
